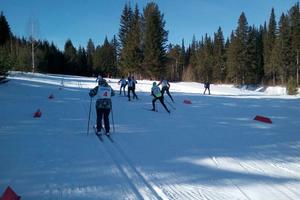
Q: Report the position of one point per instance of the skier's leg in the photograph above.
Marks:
(124, 90)
(169, 95)
(153, 103)
(99, 119)
(106, 120)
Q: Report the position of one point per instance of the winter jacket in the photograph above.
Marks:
(104, 93)
(155, 91)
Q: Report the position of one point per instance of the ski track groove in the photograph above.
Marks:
(216, 162)
(255, 167)
(140, 186)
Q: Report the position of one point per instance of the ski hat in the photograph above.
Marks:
(154, 83)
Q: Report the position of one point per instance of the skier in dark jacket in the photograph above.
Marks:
(165, 86)
(207, 87)
(156, 93)
(103, 104)
(131, 87)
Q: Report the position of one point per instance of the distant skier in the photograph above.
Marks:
(103, 104)
(207, 87)
(131, 87)
(156, 93)
(123, 83)
(165, 86)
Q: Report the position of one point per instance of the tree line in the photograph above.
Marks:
(267, 54)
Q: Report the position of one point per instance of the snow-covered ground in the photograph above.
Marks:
(211, 149)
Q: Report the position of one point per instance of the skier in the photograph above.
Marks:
(207, 87)
(156, 93)
(165, 85)
(123, 83)
(131, 87)
(103, 104)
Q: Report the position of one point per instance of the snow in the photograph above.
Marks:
(211, 149)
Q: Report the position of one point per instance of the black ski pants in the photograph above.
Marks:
(122, 87)
(166, 89)
(132, 89)
(103, 113)
(161, 99)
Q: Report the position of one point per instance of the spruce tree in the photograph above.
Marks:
(218, 57)
(284, 48)
(294, 18)
(70, 54)
(5, 50)
(125, 24)
(90, 50)
(5, 32)
(232, 64)
(131, 53)
(269, 42)
(155, 38)
(238, 57)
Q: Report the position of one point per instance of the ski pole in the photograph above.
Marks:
(112, 119)
(88, 128)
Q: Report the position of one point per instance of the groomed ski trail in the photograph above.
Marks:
(141, 188)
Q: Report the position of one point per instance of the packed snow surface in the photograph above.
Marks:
(211, 149)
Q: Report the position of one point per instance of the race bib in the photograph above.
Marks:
(104, 93)
(156, 91)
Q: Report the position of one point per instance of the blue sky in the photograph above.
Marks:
(79, 20)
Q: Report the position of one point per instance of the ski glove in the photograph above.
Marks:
(93, 92)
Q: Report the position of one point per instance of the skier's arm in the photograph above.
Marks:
(159, 83)
(93, 92)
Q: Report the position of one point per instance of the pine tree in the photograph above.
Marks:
(218, 54)
(82, 62)
(125, 24)
(5, 49)
(115, 56)
(284, 48)
(70, 55)
(232, 61)
(90, 50)
(131, 53)
(155, 38)
(294, 18)
(253, 61)
(5, 33)
(269, 42)
(238, 57)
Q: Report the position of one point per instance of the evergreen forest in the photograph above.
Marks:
(267, 54)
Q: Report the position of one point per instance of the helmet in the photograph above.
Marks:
(154, 83)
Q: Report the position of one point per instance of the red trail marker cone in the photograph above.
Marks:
(263, 119)
(187, 101)
(37, 114)
(9, 194)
